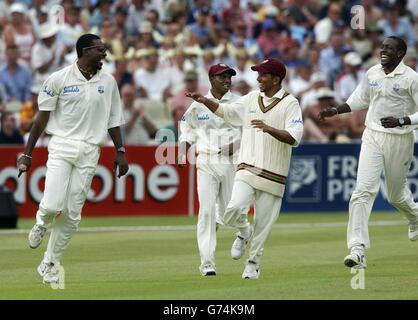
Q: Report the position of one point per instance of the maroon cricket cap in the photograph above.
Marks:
(273, 66)
(220, 68)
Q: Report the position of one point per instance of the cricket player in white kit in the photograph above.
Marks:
(78, 106)
(390, 91)
(272, 125)
(217, 144)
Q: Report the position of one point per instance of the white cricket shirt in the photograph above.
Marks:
(394, 94)
(208, 131)
(81, 109)
(263, 160)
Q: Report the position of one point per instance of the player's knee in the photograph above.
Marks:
(49, 209)
(362, 195)
(231, 215)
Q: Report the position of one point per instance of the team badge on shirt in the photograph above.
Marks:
(100, 89)
(396, 87)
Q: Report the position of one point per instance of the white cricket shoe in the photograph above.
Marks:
(208, 270)
(356, 259)
(413, 230)
(49, 272)
(251, 271)
(240, 244)
(36, 235)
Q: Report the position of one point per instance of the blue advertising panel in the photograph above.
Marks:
(322, 177)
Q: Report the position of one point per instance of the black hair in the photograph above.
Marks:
(86, 40)
(400, 43)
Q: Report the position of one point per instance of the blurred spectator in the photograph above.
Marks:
(269, 39)
(174, 8)
(121, 16)
(355, 124)
(241, 87)
(72, 29)
(304, 15)
(393, 25)
(145, 36)
(348, 80)
(136, 15)
(9, 133)
(317, 81)
(28, 111)
(5, 12)
(324, 28)
(331, 129)
(15, 77)
(301, 83)
(121, 74)
(19, 32)
(243, 69)
(151, 81)
(372, 12)
(138, 128)
(240, 39)
(191, 84)
(331, 57)
(47, 54)
(101, 11)
(411, 59)
(153, 17)
(177, 114)
(201, 30)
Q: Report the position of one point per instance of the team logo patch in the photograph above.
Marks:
(304, 179)
(396, 87)
(48, 92)
(100, 89)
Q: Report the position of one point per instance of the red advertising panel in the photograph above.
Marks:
(149, 188)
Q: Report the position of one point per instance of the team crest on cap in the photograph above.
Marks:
(223, 65)
(265, 61)
(100, 89)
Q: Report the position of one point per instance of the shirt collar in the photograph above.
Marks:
(226, 96)
(400, 69)
(80, 76)
(279, 94)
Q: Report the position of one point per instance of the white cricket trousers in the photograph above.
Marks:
(70, 169)
(391, 153)
(266, 211)
(214, 188)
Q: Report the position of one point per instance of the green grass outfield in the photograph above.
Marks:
(302, 260)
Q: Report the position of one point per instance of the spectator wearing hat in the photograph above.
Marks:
(121, 73)
(15, 77)
(243, 69)
(350, 77)
(145, 36)
(191, 84)
(330, 129)
(317, 80)
(47, 54)
(216, 145)
(241, 40)
(272, 125)
(19, 32)
(152, 81)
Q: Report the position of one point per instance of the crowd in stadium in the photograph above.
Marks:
(158, 49)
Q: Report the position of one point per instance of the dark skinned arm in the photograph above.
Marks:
(25, 161)
(120, 160)
(333, 111)
(182, 156)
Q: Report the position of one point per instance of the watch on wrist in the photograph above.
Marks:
(121, 150)
(401, 121)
